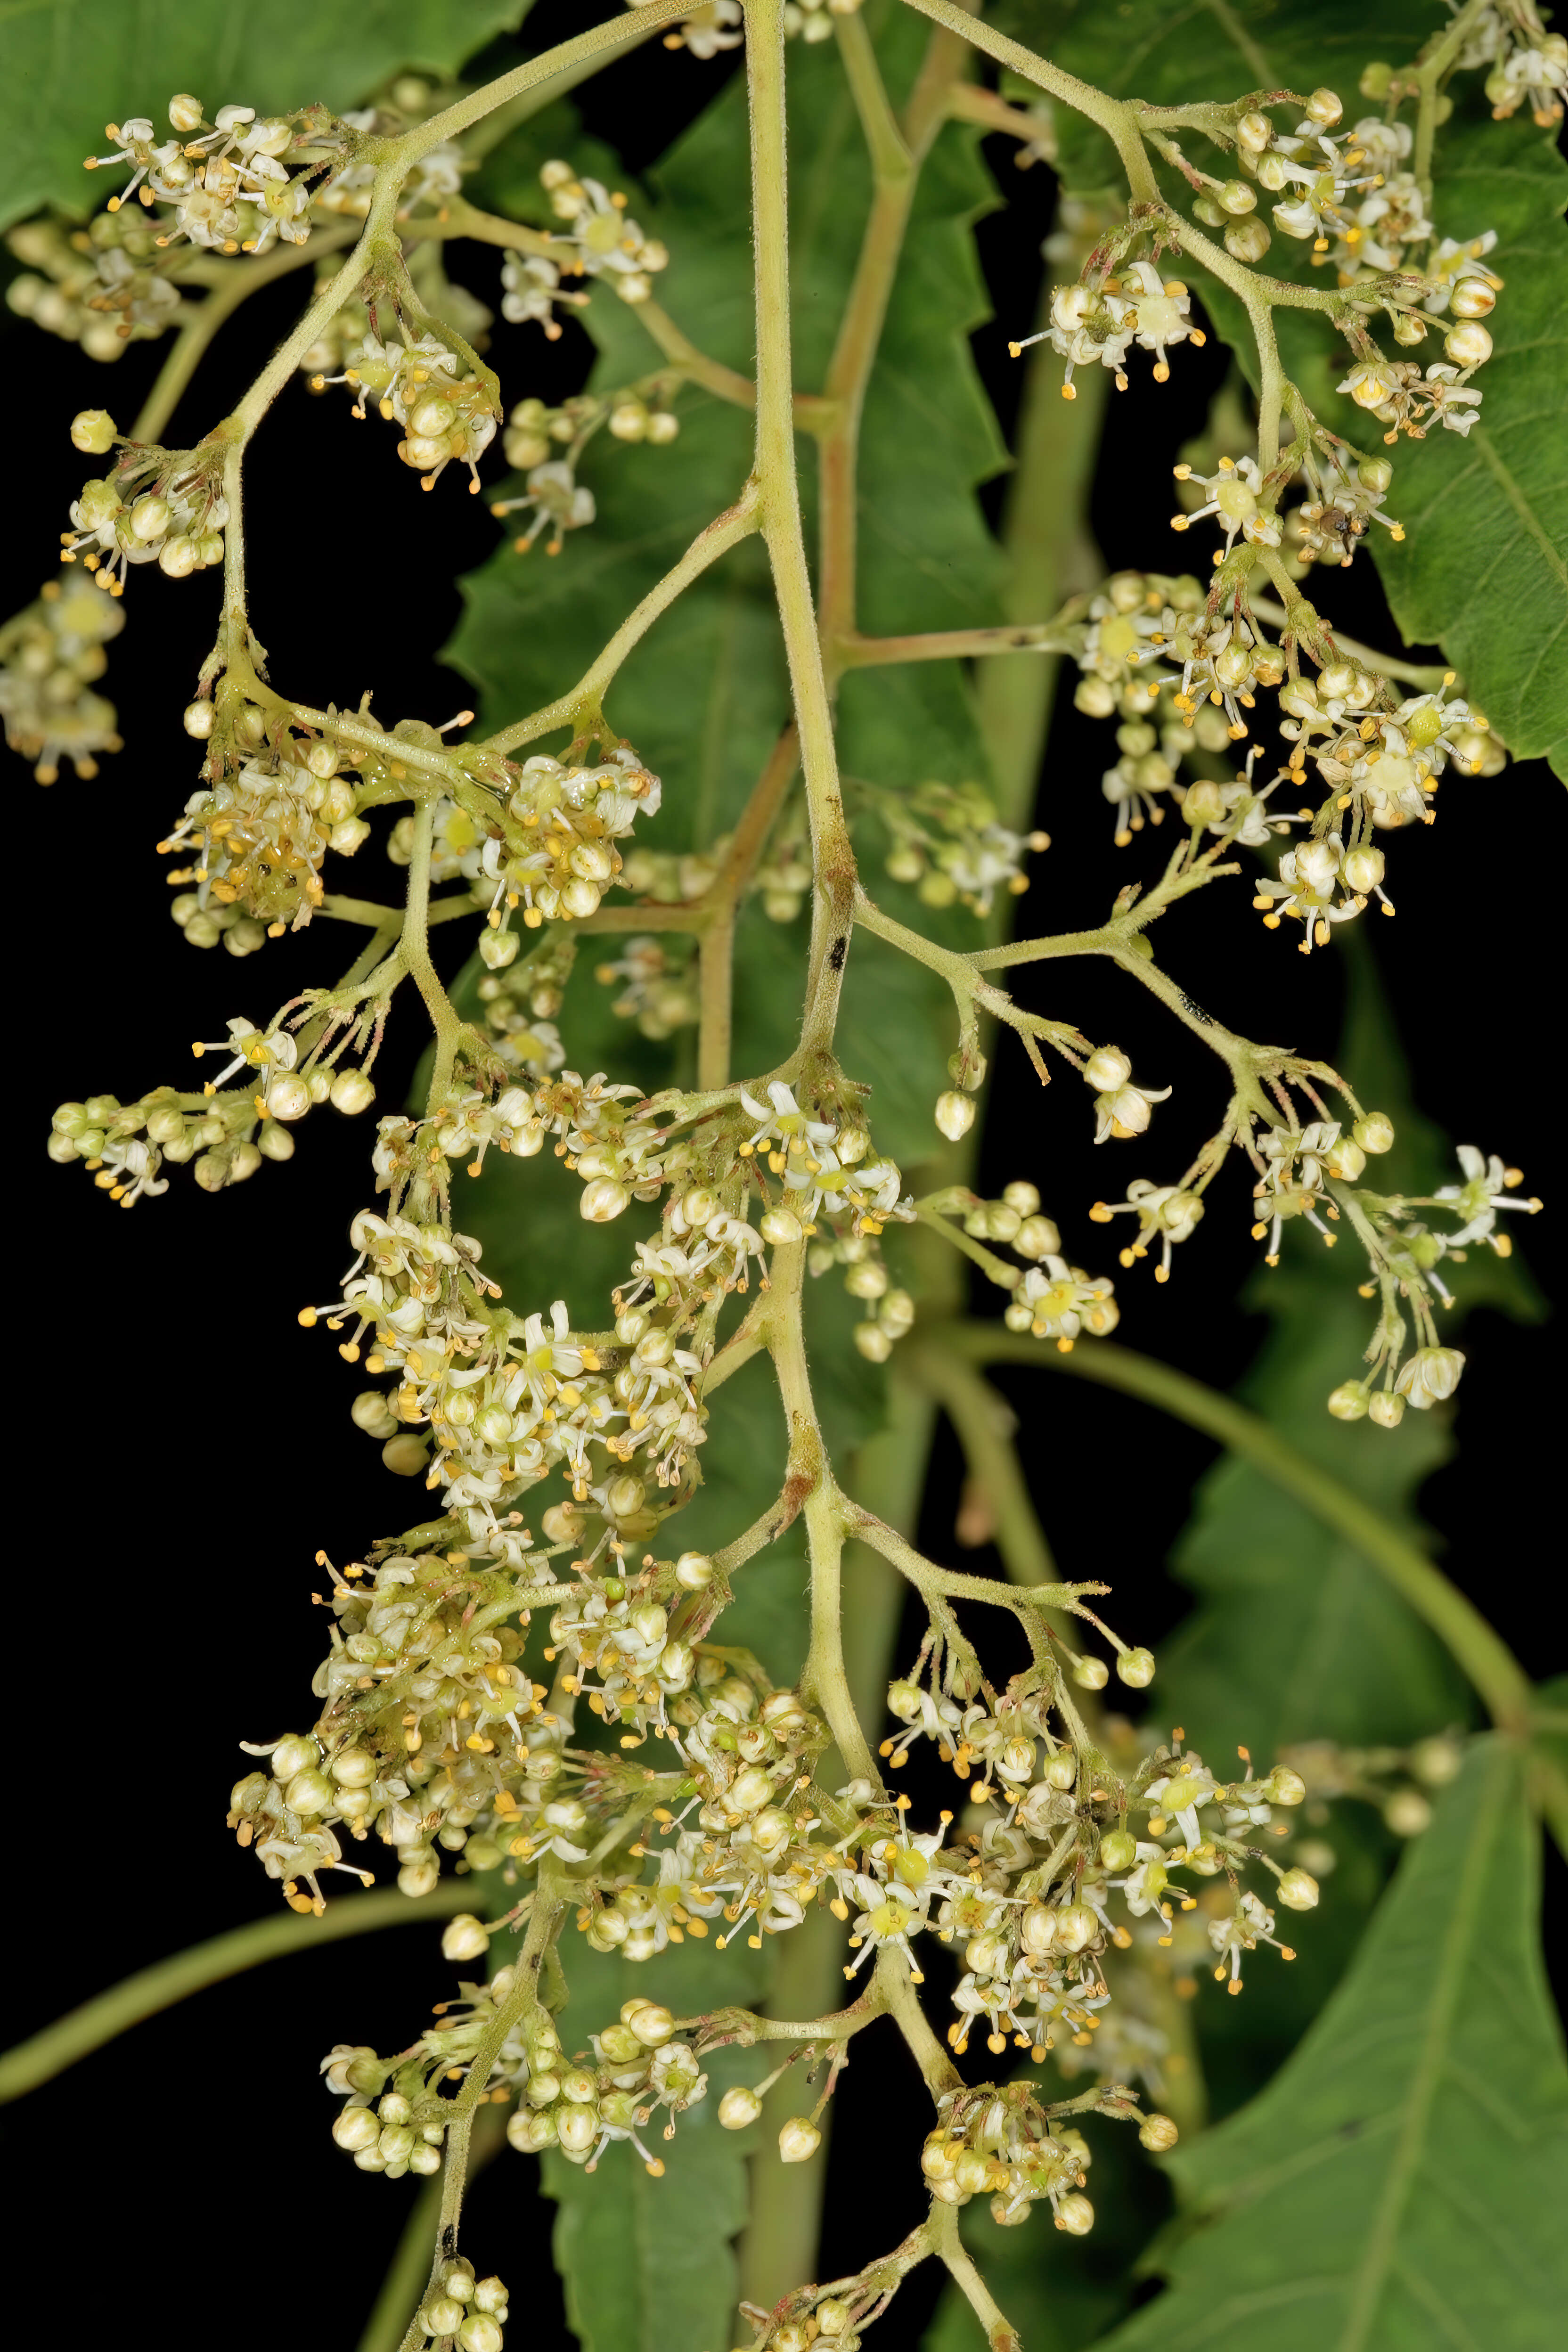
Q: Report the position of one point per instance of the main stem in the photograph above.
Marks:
(780, 490)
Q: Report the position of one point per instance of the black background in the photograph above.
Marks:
(183, 1450)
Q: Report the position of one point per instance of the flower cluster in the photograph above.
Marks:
(102, 287)
(946, 839)
(446, 408)
(228, 182)
(1184, 680)
(394, 2115)
(1099, 318)
(51, 656)
(551, 851)
(657, 984)
(1528, 65)
(158, 506)
(600, 239)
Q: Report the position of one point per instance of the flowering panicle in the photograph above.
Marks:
(530, 1686)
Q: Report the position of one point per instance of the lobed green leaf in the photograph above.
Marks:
(1383, 2194)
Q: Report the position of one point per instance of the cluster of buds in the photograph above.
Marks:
(51, 656)
(657, 981)
(446, 409)
(543, 841)
(1526, 65)
(462, 2314)
(522, 994)
(1001, 2143)
(1399, 1783)
(638, 2065)
(224, 1137)
(102, 287)
(228, 182)
(947, 840)
(600, 239)
(274, 802)
(888, 1311)
(552, 498)
(1184, 684)
(1102, 317)
(640, 411)
(1046, 1295)
(158, 506)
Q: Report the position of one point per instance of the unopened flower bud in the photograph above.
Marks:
(954, 1114)
(404, 1454)
(355, 2129)
(1107, 1070)
(1136, 1668)
(1350, 1400)
(94, 432)
(1468, 345)
(1407, 1812)
(289, 1097)
(1091, 1674)
(1248, 240)
(352, 1092)
(798, 2141)
(1118, 1849)
(1473, 298)
(1297, 1890)
(1077, 1926)
(465, 1938)
(1157, 2133)
(739, 2108)
(652, 2024)
(1375, 1133)
(1075, 2215)
(603, 1200)
(1385, 1409)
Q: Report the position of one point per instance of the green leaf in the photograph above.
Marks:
(71, 66)
(1483, 567)
(1390, 2190)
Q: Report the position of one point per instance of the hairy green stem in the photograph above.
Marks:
(581, 701)
(779, 486)
(1117, 121)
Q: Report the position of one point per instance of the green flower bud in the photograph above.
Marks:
(94, 432)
